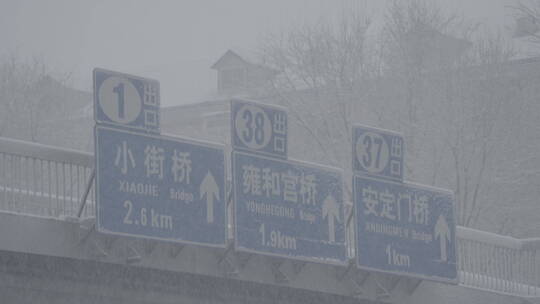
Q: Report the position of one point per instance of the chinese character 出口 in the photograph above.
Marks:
(397, 147)
(280, 131)
(151, 95)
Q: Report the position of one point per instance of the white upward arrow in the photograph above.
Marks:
(211, 189)
(330, 209)
(442, 232)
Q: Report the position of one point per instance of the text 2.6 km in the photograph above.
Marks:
(146, 217)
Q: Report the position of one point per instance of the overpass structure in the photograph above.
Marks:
(51, 253)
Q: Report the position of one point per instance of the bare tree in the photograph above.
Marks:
(28, 95)
(422, 75)
(419, 41)
(478, 92)
(527, 15)
(451, 77)
(445, 88)
(322, 69)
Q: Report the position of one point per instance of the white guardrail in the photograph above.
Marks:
(48, 181)
(499, 263)
(43, 180)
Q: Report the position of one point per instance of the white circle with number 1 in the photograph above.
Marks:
(372, 152)
(253, 127)
(119, 100)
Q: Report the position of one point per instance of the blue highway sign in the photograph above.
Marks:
(288, 209)
(377, 152)
(259, 128)
(405, 229)
(159, 187)
(126, 101)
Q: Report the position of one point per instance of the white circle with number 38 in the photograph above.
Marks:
(372, 152)
(253, 127)
(119, 100)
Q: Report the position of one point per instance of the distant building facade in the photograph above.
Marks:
(239, 75)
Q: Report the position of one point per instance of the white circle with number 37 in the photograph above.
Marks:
(253, 127)
(119, 100)
(372, 152)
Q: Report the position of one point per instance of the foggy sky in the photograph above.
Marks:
(175, 42)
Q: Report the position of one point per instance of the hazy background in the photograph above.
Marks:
(176, 42)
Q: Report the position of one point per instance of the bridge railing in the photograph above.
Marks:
(47, 181)
(43, 180)
(499, 263)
